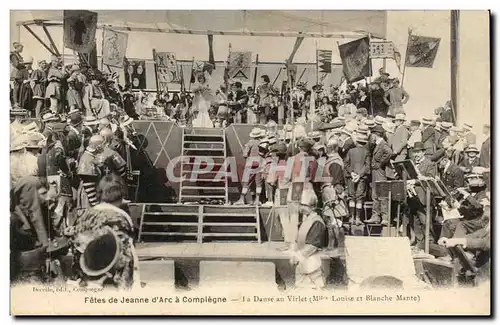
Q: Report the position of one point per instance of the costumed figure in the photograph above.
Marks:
(89, 173)
(76, 82)
(201, 103)
(38, 85)
(268, 153)
(93, 99)
(395, 98)
(53, 90)
(264, 99)
(252, 175)
(311, 238)
(237, 100)
(25, 95)
(16, 65)
(109, 160)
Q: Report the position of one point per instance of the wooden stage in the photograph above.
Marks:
(219, 251)
(182, 263)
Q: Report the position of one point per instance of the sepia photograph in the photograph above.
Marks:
(250, 162)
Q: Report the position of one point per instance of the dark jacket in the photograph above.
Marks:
(357, 161)
(453, 177)
(381, 155)
(429, 140)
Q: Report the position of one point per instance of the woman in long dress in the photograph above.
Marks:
(201, 104)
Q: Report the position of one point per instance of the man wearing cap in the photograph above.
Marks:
(89, 173)
(251, 152)
(417, 200)
(471, 159)
(400, 138)
(380, 157)
(429, 136)
(346, 142)
(311, 238)
(395, 98)
(444, 132)
(361, 114)
(357, 168)
(470, 137)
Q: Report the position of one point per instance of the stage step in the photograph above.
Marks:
(213, 223)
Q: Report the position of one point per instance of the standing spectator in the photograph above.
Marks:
(380, 158)
(400, 138)
(470, 137)
(395, 98)
(16, 64)
(429, 136)
(39, 84)
(54, 91)
(447, 113)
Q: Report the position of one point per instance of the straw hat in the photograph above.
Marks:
(256, 133)
(400, 117)
(446, 125)
(389, 127)
(428, 121)
(467, 127)
(361, 138)
(379, 120)
(471, 148)
(369, 123)
(362, 129)
(48, 117)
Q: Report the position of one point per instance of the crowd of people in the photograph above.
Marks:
(72, 168)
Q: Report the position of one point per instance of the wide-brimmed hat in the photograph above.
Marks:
(90, 120)
(400, 117)
(467, 127)
(389, 127)
(47, 117)
(347, 130)
(414, 122)
(256, 133)
(272, 140)
(418, 146)
(471, 148)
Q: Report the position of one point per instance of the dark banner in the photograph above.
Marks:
(79, 30)
(421, 51)
(135, 74)
(355, 57)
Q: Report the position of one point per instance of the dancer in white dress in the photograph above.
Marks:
(201, 103)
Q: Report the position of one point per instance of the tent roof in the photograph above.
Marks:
(320, 22)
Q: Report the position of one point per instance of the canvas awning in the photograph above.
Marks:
(287, 23)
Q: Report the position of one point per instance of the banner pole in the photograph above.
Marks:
(406, 57)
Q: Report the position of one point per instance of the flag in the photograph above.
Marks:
(239, 65)
(355, 58)
(114, 48)
(421, 51)
(196, 70)
(79, 29)
(166, 65)
(397, 59)
(324, 59)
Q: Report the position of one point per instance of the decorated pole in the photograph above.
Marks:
(255, 72)
(156, 73)
(192, 66)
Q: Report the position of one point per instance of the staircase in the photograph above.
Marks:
(200, 223)
(200, 145)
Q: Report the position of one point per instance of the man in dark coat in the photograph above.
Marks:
(238, 99)
(451, 175)
(417, 202)
(429, 137)
(380, 158)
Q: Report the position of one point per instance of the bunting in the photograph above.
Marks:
(324, 59)
(355, 58)
(79, 30)
(421, 51)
